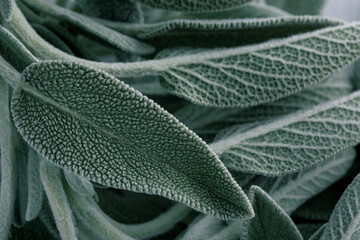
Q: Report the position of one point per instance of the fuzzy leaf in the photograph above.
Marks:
(125, 139)
(202, 228)
(79, 184)
(317, 235)
(116, 10)
(293, 142)
(8, 161)
(344, 222)
(35, 188)
(220, 33)
(6, 9)
(251, 75)
(299, 7)
(270, 221)
(193, 5)
(52, 181)
(93, 28)
(204, 120)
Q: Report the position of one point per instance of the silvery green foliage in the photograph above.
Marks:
(220, 33)
(116, 10)
(299, 7)
(124, 148)
(292, 142)
(193, 5)
(6, 7)
(146, 119)
(344, 221)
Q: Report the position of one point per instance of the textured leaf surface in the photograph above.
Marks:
(261, 73)
(114, 38)
(202, 228)
(193, 5)
(113, 135)
(344, 222)
(299, 7)
(317, 235)
(116, 10)
(8, 162)
(205, 120)
(35, 189)
(270, 221)
(79, 184)
(291, 191)
(293, 142)
(6, 8)
(220, 33)
(308, 229)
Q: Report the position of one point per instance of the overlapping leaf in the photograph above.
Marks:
(6, 9)
(303, 7)
(221, 33)
(193, 5)
(102, 129)
(261, 73)
(293, 142)
(344, 222)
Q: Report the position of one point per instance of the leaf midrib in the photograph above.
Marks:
(35, 92)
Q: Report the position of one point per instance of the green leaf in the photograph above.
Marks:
(126, 140)
(299, 7)
(79, 184)
(50, 37)
(293, 142)
(52, 181)
(116, 10)
(14, 51)
(344, 222)
(93, 28)
(292, 191)
(202, 228)
(308, 229)
(193, 5)
(317, 235)
(6, 9)
(252, 75)
(8, 161)
(205, 120)
(270, 221)
(35, 188)
(220, 33)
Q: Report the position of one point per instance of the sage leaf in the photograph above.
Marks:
(251, 75)
(193, 5)
(79, 184)
(136, 139)
(220, 33)
(91, 27)
(317, 235)
(115, 10)
(294, 142)
(292, 191)
(205, 120)
(6, 9)
(271, 222)
(202, 228)
(344, 222)
(8, 162)
(47, 219)
(52, 181)
(299, 7)
(308, 229)
(35, 188)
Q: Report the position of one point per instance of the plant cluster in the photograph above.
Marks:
(168, 119)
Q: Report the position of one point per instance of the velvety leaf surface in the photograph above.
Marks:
(344, 222)
(6, 7)
(101, 129)
(222, 32)
(291, 191)
(293, 142)
(299, 7)
(193, 5)
(247, 76)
